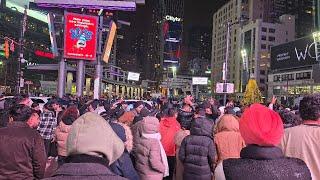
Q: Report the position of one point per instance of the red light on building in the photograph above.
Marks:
(44, 54)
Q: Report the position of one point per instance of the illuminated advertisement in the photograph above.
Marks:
(109, 42)
(92, 4)
(298, 53)
(133, 76)
(172, 31)
(80, 38)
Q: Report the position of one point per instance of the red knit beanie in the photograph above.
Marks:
(261, 126)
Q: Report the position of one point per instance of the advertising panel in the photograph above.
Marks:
(199, 80)
(294, 54)
(92, 4)
(133, 76)
(80, 38)
(172, 31)
(109, 42)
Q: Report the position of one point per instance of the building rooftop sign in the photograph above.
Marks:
(92, 4)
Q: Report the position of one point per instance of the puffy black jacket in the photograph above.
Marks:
(185, 118)
(197, 151)
(265, 163)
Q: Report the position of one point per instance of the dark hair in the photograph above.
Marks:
(95, 104)
(20, 112)
(48, 106)
(70, 115)
(4, 119)
(34, 105)
(21, 97)
(310, 107)
(289, 119)
(171, 112)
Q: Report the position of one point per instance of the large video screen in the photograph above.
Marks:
(294, 54)
(172, 31)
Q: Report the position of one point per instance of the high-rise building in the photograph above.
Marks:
(163, 14)
(253, 28)
(231, 11)
(303, 10)
(257, 39)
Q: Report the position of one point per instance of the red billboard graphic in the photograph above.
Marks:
(80, 37)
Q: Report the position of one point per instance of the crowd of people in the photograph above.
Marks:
(104, 139)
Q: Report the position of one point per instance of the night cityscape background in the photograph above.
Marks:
(168, 42)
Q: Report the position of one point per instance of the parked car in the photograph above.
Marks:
(131, 102)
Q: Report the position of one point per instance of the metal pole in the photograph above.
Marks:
(61, 77)
(225, 77)
(80, 77)
(98, 75)
(20, 54)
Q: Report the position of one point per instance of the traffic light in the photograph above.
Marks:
(6, 49)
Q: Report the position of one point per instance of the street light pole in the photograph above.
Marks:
(225, 64)
(20, 53)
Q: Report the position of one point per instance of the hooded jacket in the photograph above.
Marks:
(197, 150)
(89, 139)
(228, 139)
(147, 153)
(169, 126)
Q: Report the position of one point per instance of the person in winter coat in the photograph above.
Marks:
(22, 152)
(178, 138)
(262, 129)
(92, 146)
(303, 141)
(169, 126)
(197, 151)
(150, 157)
(123, 166)
(228, 139)
(62, 131)
(185, 113)
(124, 120)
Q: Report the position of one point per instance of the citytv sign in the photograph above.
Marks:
(299, 53)
(173, 19)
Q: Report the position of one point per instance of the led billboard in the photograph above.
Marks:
(133, 76)
(80, 38)
(298, 53)
(172, 33)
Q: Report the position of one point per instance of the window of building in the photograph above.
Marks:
(276, 78)
(272, 39)
(303, 75)
(271, 30)
(263, 29)
(286, 32)
(263, 37)
(262, 81)
(262, 72)
(263, 46)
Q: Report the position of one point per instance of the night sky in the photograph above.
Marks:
(196, 14)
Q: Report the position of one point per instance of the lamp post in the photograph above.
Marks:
(245, 73)
(20, 52)
(316, 39)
